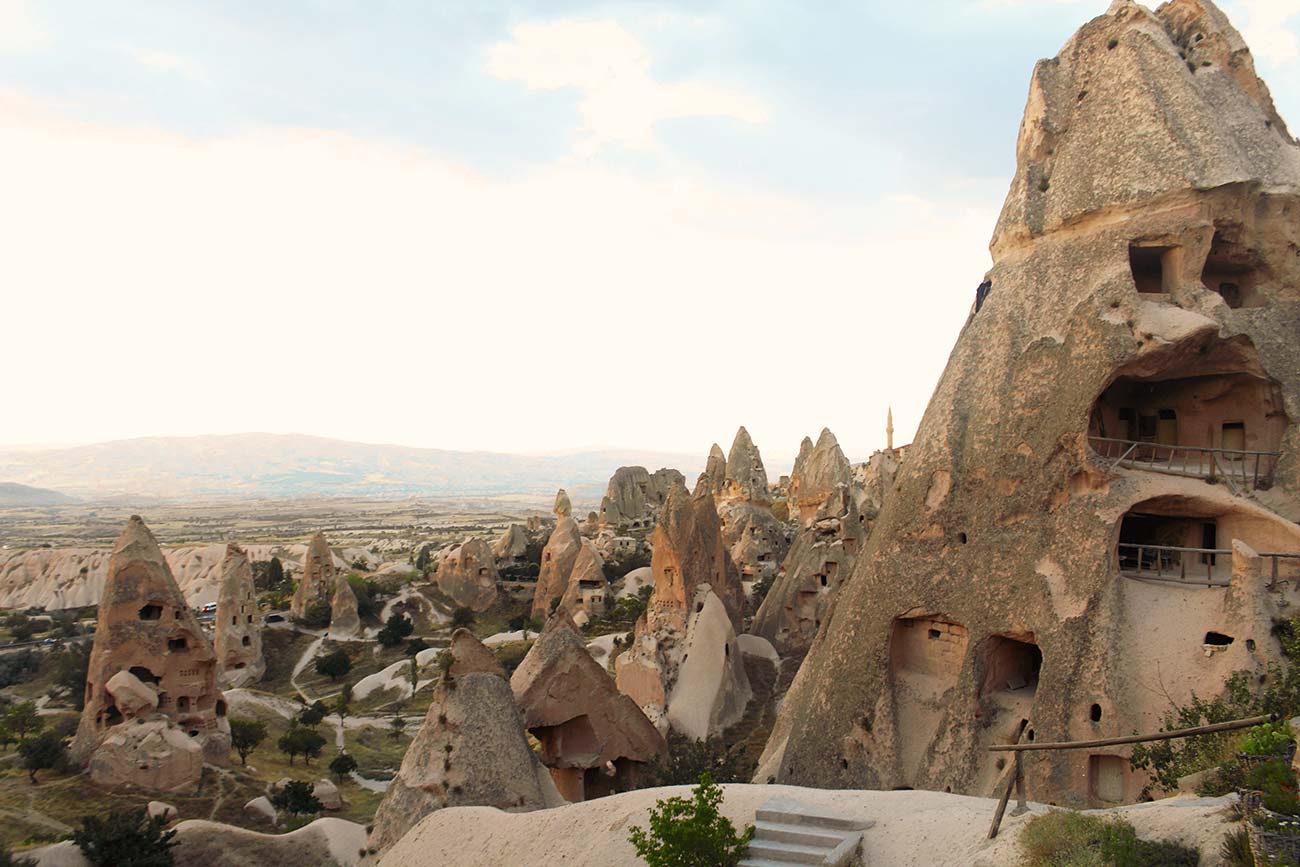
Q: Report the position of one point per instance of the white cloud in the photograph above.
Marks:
(166, 61)
(20, 31)
(300, 280)
(1269, 27)
(621, 101)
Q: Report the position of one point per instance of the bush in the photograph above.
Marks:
(1235, 849)
(398, 627)
(42, 752)
(71, 668)
(462, 618)
(312, 715)
(510, 655)
(333, 665)
(691, 833)
(125, 838)
(18, 667)
(317, 615)
(1269, 739)
(1064, 838)
(415, 645)
(297, 798)
(7, 859)
(365, 590)
(342, 765)
(298, 741)
(687, 760)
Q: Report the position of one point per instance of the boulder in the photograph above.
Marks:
(262, 809)
(328, 794)
(132, 697)
(469, 575)
(161, 810)
(151, 755)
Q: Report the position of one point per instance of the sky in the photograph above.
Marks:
(527, 227)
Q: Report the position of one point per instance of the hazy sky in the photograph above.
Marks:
(522, 227)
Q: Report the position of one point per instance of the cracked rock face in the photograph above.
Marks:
(1145, 290)
(237, 625)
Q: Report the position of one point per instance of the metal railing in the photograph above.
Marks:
(1211, 567)
(1250, 470)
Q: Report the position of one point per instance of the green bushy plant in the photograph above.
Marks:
(1269, 739)
(1064, 838)
(691, 833)
(125, 838)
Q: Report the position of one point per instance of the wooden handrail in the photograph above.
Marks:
(1138, 739)
(1179, 447)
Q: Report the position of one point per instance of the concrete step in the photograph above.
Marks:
(805, 835)
(782, 812)
(763, 862)
(788, 853)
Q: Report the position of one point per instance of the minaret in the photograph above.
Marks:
(889, 429)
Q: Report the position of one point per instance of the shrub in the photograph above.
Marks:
(415, 645)
(298, 741)
(1269, 739)
(42, 752)
(18, 667)
(125, 838)
(317, 615)
(462, 618)
(687, 760)
(342, 765)
(71, 667)
(297, 798)
(510, 655)
(398, 627)
(333, 665)
(1235, 849)
(1064, 838)
(245, 735)
(313, 714)
(7, 859)
(365, 590)
(691, 833)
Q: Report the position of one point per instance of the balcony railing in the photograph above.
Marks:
(1245, 470)
(1210, 567)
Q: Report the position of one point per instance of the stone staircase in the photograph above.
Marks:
(788, 832)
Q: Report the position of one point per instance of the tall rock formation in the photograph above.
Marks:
(714, 477)
(558, 557)
(237, 631)
(694, 587)
(317, 583)
(584, 594)
(153, 713)
(746, 478)
(512, 544)
(826, 504)
(594, 739)
(1124, 388)
(345, 616)
(634, 496)
(469, 575)
(470, 751)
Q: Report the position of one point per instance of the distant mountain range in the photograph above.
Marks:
(12, 494)
(292, 465)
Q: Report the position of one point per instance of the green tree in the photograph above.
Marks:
(691, 833)
(365, 590)
(398, 627)
(343, 703)
(415, 645)
(299, 741)
(125, 838)
(8, 859)
(24, 719)
(275, 573)
(70, 668)
(397, 724)
(41, 752)
(296, 797)
(334, 665)
(20, 626)
(245, 736)
(462, 618)
(313, 714)
(413, 673)
(7, 735)
(342, 765)
(317, 615)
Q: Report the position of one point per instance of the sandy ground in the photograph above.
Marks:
(913, 829)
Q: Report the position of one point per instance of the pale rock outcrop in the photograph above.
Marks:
(594, 739)
(262, 809)
(586, 590)
(558, 558)
(1145, 295)
(328, 794)
(819, 474)
(634, 496)
(237, 630)
(469, 575)
(161, 810)
(712, 689)
(470, 750)
(151, 655)
(511, 545)
(746, 478)
(714, 477)
(689, 567)
(345, 618)
(755, 539)
(317, 582)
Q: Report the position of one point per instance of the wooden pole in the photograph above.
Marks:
(1013, 773)
(1137, 739)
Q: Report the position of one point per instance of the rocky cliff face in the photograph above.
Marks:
(237, 630)
(1137, 337)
